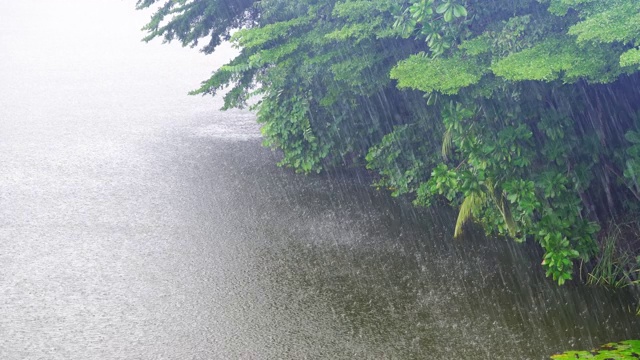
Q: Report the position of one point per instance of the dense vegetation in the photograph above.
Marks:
(524, 114)
(628, 350)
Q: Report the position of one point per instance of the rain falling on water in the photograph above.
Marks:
(139, 223)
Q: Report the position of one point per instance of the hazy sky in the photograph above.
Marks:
(48, 45)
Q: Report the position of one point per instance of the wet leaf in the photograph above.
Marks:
(459, 10)
(442, 8)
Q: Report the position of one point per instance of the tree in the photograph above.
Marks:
(319, 68)
(536, 98)
(530, 122)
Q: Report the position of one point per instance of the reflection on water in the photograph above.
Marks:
(137, 223)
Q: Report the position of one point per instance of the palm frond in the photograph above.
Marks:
(471, 204)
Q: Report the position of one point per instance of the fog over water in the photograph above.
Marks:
(137, 222)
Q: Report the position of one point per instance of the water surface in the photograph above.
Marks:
(139, 223)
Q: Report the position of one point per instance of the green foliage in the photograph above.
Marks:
(436, 21)
(471, 204)
(629, 349)
(247, 38)
(557, 58)
(630, 57)
(632, 164)
(404, 157)
(497, 180)
(529, 124)
(518, 156)
(615, 267)
(320, 69)
(619, 21)
(531, 46)
(293, 133)
(429, 74)
(188, 22)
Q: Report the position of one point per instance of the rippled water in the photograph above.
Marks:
(139, 223)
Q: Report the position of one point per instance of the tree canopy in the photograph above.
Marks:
(525, 114)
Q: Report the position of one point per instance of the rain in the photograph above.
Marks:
(139, 222)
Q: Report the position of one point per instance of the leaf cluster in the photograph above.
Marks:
(522, 113)
(629, 349)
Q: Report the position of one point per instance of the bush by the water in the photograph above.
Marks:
(524, 114)
(625, 350)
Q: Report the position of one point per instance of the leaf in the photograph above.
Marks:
(459, 10)
(632, 137)
(448, 15)
(442, 8)
(471, 203)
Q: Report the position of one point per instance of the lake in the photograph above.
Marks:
(137, 222)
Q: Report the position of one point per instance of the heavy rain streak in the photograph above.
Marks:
(422, 179)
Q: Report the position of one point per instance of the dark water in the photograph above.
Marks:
(138, 223)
